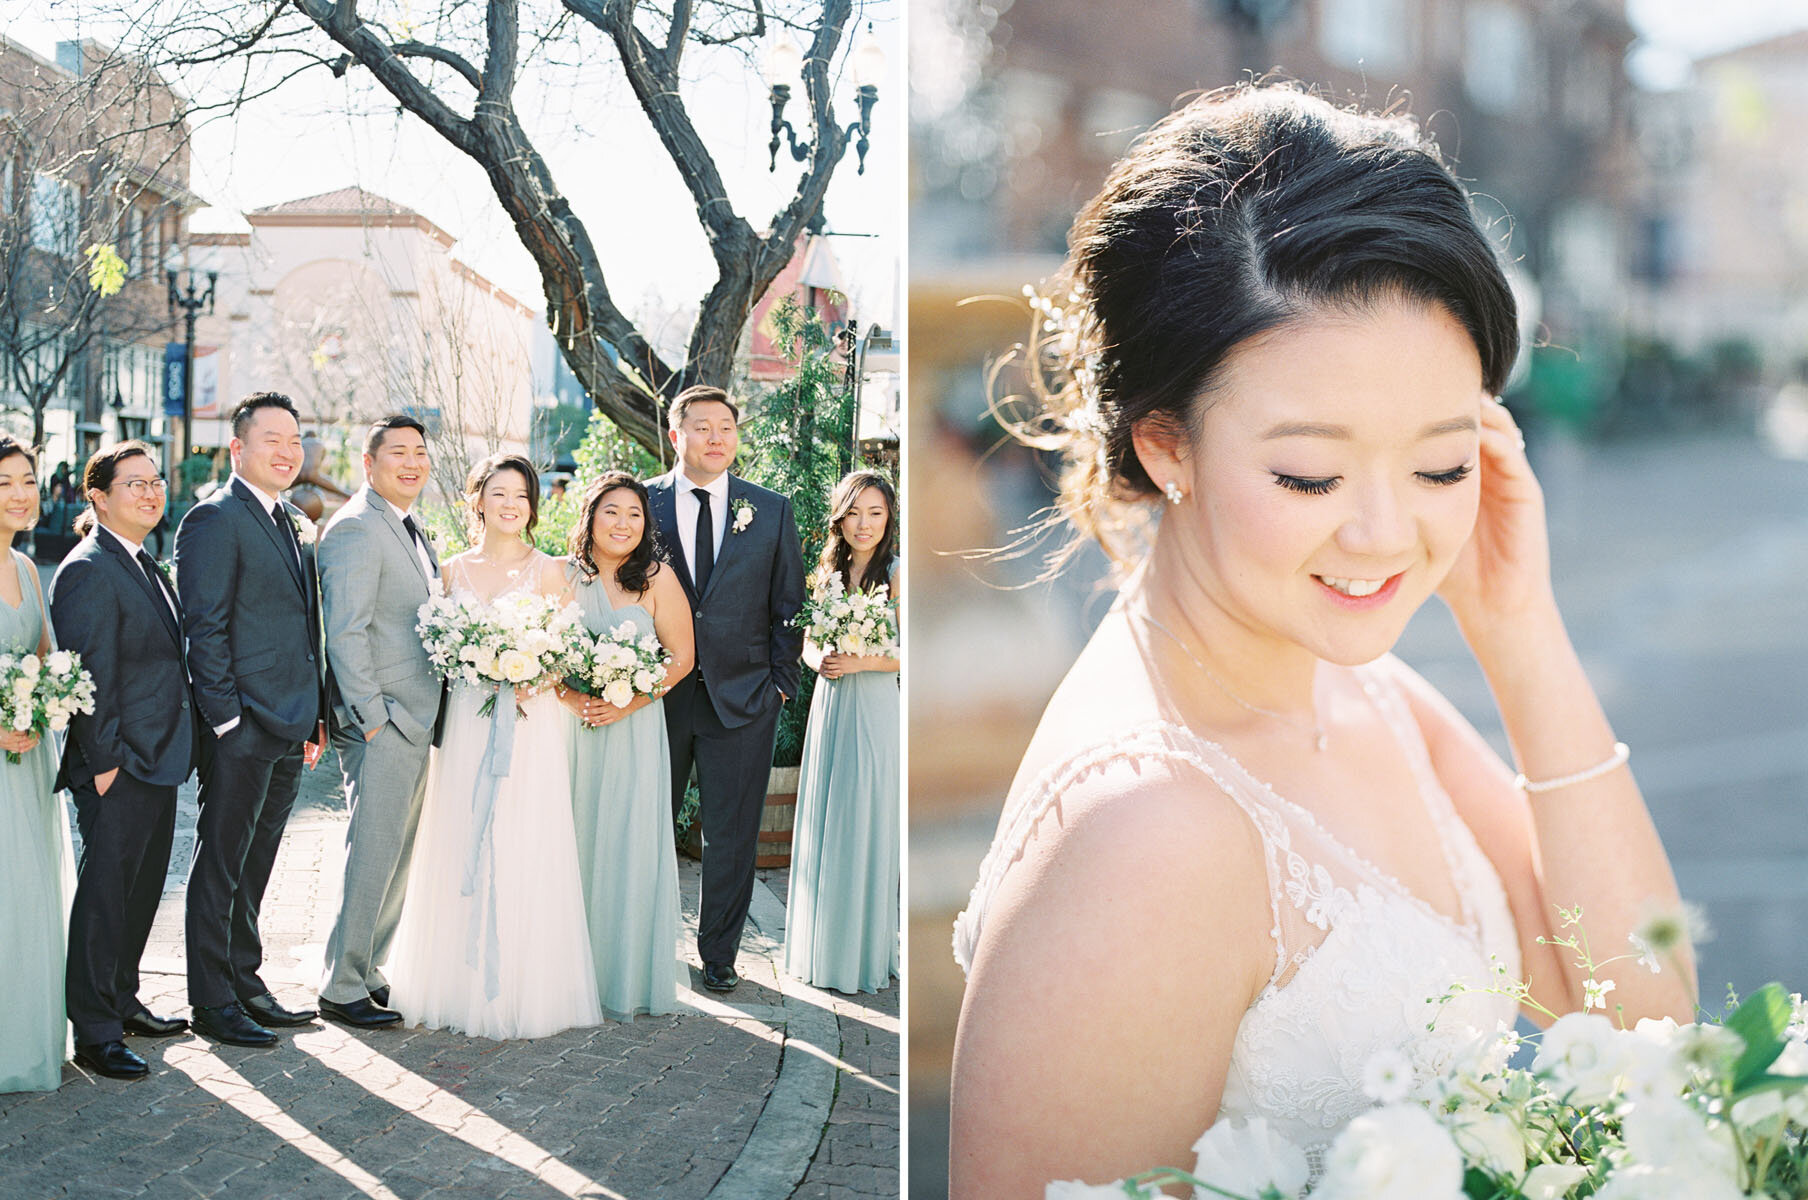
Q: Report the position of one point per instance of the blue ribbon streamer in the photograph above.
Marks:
(498, 753)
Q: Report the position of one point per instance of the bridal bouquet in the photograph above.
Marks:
(1704, 1111)
(41, 694)
(843, 622)
(619, 666)
(509, 641)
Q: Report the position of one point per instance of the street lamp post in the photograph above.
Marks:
(784, 62)
(192, 302)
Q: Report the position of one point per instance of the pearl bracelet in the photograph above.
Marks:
(1621, 753)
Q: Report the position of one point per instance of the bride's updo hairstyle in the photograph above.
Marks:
(480, 477)
(1248, 210)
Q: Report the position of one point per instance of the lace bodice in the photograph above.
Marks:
(1360, 963)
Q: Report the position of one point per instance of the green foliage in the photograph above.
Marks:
(557, 515)
(799, 442)
(605, 448)
(1761, 1021)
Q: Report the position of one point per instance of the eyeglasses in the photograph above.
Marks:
(140, 488)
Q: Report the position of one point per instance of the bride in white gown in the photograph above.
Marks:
(511, 960)
(1247, 848)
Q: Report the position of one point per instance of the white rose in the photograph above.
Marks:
(30, 665)
(1656, 1183)
(1490, 1139)
(22, 722)
(59, 722)
(621, 657)
(485, 662)
(1585, 1057)
(1552, 1181)
(1398, 1152)
(1671, 1133)
(62, 662)
(468, 654)
(851, 644)
(517, 667)
(619, 693)
(645, 681)
(1248, 1158)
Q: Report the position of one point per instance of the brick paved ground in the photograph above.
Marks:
(781, 1090)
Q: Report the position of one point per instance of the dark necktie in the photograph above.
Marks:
(706, 541)
(158, 584)
(420, 544)
(287, 532)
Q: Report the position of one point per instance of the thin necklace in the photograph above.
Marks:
(1315, 729)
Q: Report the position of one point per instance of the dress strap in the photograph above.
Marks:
(1156, 741)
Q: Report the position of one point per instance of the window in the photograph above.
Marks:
(1497, 57)
(55, 215)
(1365, 33)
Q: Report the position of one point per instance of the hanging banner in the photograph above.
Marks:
(207, 381)
(175, 359)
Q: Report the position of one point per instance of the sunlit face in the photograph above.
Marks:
(863, 528)
(619, 525)
(18, 494)
(134, 504)
(503, 503)
(397, 470)
(706, 440)
(1333, 480)
(269, 455)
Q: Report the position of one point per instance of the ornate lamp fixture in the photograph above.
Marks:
(784, 63)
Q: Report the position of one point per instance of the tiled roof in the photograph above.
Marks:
(348, 200)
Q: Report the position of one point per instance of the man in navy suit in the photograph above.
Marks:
(734, 546)
(111, 604)
(251, 610)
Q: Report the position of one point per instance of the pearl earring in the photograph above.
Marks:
(1173, 492)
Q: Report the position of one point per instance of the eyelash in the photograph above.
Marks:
(1319, 487)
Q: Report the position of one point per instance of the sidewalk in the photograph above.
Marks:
(776, 1090)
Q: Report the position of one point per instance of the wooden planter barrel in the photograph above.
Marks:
(776, 822)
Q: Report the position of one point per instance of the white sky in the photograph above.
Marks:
(602, 153)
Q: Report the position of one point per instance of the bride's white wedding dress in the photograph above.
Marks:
(1359, 962)
(512, 959)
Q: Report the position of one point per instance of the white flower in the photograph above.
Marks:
(619, 693)
(1644, 1182)
(30, 665)
(1490, 1139)
(22, 721)
(1074, 1189)
(1763, 1106)
(517, 667)
(1397, 1152)
(743, 515)
(1671, 1133)
(305, 530)
(1585, 1058)
(645, 681)
(62, 662)
(1552, 1181)
(60, 722)
(1249, 1158)
(1387, 1077)
(1594, 992)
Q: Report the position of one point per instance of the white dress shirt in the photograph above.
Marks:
(420, 543)
(685, 514)
(268, 501)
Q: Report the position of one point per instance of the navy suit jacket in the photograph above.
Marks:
(747, 644)
(106, 609)
(251, 610)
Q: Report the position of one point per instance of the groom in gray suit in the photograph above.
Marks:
(734, 547)
(375, 567)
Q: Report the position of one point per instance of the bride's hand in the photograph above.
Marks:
(1503, 575)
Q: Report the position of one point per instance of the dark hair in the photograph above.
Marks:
(9, 446)
(1245, 211)
(635, 574)
(98, 475)
(837, 555)
(243, 411)
(373, 440)
(488, 469)
(698, 393)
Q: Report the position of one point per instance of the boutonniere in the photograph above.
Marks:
(743, 515)
(305, 530)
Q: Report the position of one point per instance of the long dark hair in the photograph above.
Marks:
(488, 469)
(1247, 210)
(99, 473)
(635, 574)
(837, 555)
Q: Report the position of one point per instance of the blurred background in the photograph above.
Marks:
(1642, 163)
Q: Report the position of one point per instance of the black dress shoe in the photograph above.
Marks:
(144, 1024)
(720, 977)
(113, 1060)
(379, 996)
(360, 1014)
(267, 1012)
(230, 1024)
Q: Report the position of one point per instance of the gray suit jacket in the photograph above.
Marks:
(372, 588)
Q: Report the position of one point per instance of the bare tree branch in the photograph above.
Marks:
(439, 54)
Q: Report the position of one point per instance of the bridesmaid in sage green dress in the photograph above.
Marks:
(36, 864)
(620, 762)
(841, 920)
